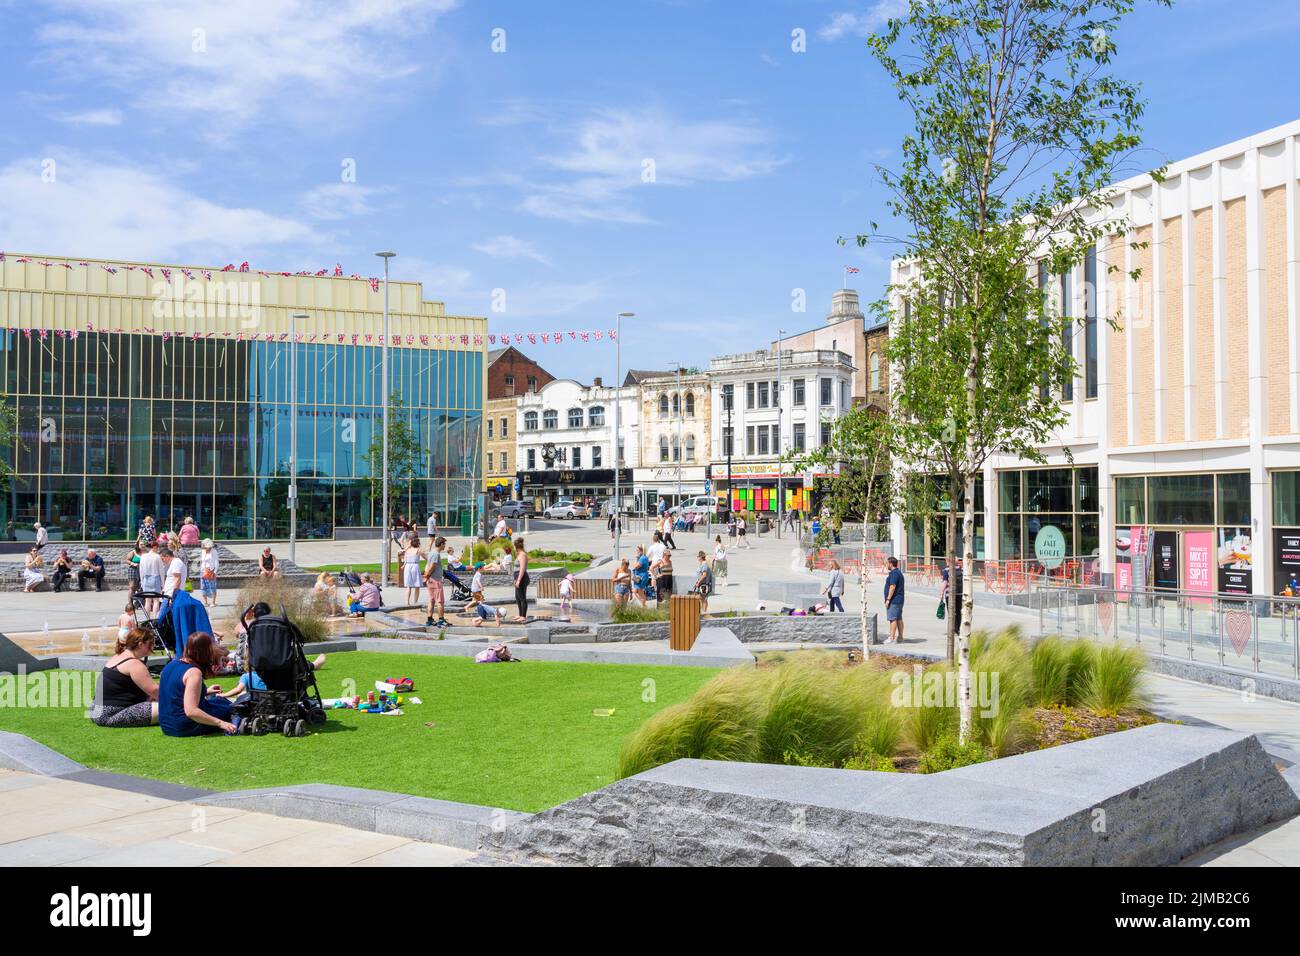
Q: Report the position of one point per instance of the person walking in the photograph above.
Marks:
(614, 524)
(837, 524)
(666, 531)
(731, 528)
(719, 559)
(431, 526)
(703, 582)
(894, 593)
(521, 580)
(175, 574)
(209, 565)
(132, 562)
(661, 507)
(835, 588)
(742, 520)
(42, 536)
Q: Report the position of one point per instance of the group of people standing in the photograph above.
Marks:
(650, 571)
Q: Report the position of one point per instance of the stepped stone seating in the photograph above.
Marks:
(234, 569)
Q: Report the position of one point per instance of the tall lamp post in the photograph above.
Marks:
(618, 404)
(293, 434)
(681, 413)
(780, 466)
(383, 384)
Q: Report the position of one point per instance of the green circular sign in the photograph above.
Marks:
(1049, 546)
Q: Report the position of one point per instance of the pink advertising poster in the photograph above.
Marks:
(1123, 580)
(1198, 559)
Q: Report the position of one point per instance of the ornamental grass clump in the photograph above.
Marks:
(1115, 681)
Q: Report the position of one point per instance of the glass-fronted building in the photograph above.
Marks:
(129, 402)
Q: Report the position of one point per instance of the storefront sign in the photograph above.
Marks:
(1235, 560)
(1049, 546)
(579, 476)
(1197, 559)
(1165, 546)
(1286, 558)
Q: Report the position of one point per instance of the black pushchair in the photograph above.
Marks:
(282, 692)
(164, 636)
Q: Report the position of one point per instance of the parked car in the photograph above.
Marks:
(700, 504)
(515, 509)
(566, 508)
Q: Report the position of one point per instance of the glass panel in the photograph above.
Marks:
(61, 507)
(1234, 498)
(1049, 489)
(1009, 490)
(1130, 501)
(1009, 537)
(106, 509)
(1086, 489)
(1181, 499)
(1286, 499)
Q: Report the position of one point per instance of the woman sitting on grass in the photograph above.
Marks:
(185, 707)
(128, 696)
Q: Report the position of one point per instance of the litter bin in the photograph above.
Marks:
(763, 526)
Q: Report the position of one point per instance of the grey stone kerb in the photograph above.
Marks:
(1149, 796)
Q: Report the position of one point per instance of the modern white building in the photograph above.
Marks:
(1184, 419)
(565, 440)
(762, 409)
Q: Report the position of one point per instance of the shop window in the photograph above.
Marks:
(1180, 499)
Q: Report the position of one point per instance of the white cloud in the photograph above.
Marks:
(97, 208)
(510, 247)
(103, 117)
(862, 24)
(224, 62)
(614, 152)
(334, 201)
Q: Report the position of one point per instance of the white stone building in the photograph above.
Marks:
(564, 440)
(761, 410)
(676, 437)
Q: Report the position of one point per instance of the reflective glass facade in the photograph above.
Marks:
(113, 426)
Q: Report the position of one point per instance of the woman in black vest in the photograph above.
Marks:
(128, 696)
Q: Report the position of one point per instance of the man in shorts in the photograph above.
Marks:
(433, 578)
(894, 587)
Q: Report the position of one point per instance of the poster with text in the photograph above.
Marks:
(1198, 561)
(1286, 559)
(1164, 548)
(1235, 560)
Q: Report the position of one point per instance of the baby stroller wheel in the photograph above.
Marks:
(300, 728)
(259, 728)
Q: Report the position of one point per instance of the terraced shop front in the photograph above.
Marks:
(136, 395)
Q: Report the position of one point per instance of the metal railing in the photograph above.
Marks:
(1240, 631)
(1018, 576)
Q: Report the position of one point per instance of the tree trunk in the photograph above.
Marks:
(968, 563)
(862, 583)
(950, 563)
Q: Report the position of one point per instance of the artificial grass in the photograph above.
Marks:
(520, 736)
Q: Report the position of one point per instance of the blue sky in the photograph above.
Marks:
(523, 170)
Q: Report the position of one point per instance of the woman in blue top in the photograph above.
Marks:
(640, 575)
(185, 707)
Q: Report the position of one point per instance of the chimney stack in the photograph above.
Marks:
(596, 382)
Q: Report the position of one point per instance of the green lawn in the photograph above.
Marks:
(520, 736)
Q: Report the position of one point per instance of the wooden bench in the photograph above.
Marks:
(584, 589)
(683, 621)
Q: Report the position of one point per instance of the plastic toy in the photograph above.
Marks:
(404, 684)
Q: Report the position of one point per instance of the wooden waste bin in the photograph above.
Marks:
(683, 621)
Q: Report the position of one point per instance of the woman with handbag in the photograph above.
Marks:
(209, 565)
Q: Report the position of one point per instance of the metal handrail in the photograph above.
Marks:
(1236, 622)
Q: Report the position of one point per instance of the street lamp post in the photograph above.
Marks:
(780, 467)
(383, 380)
(618, 404)
(293, 435)
(681, 413)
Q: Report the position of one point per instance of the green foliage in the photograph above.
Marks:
(806, 711)
(406, 457)
(629, 613)
(304, 607)
(1050, 663)
(8, 437)
(948, 754)
(1115, 681)
(869, 760)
